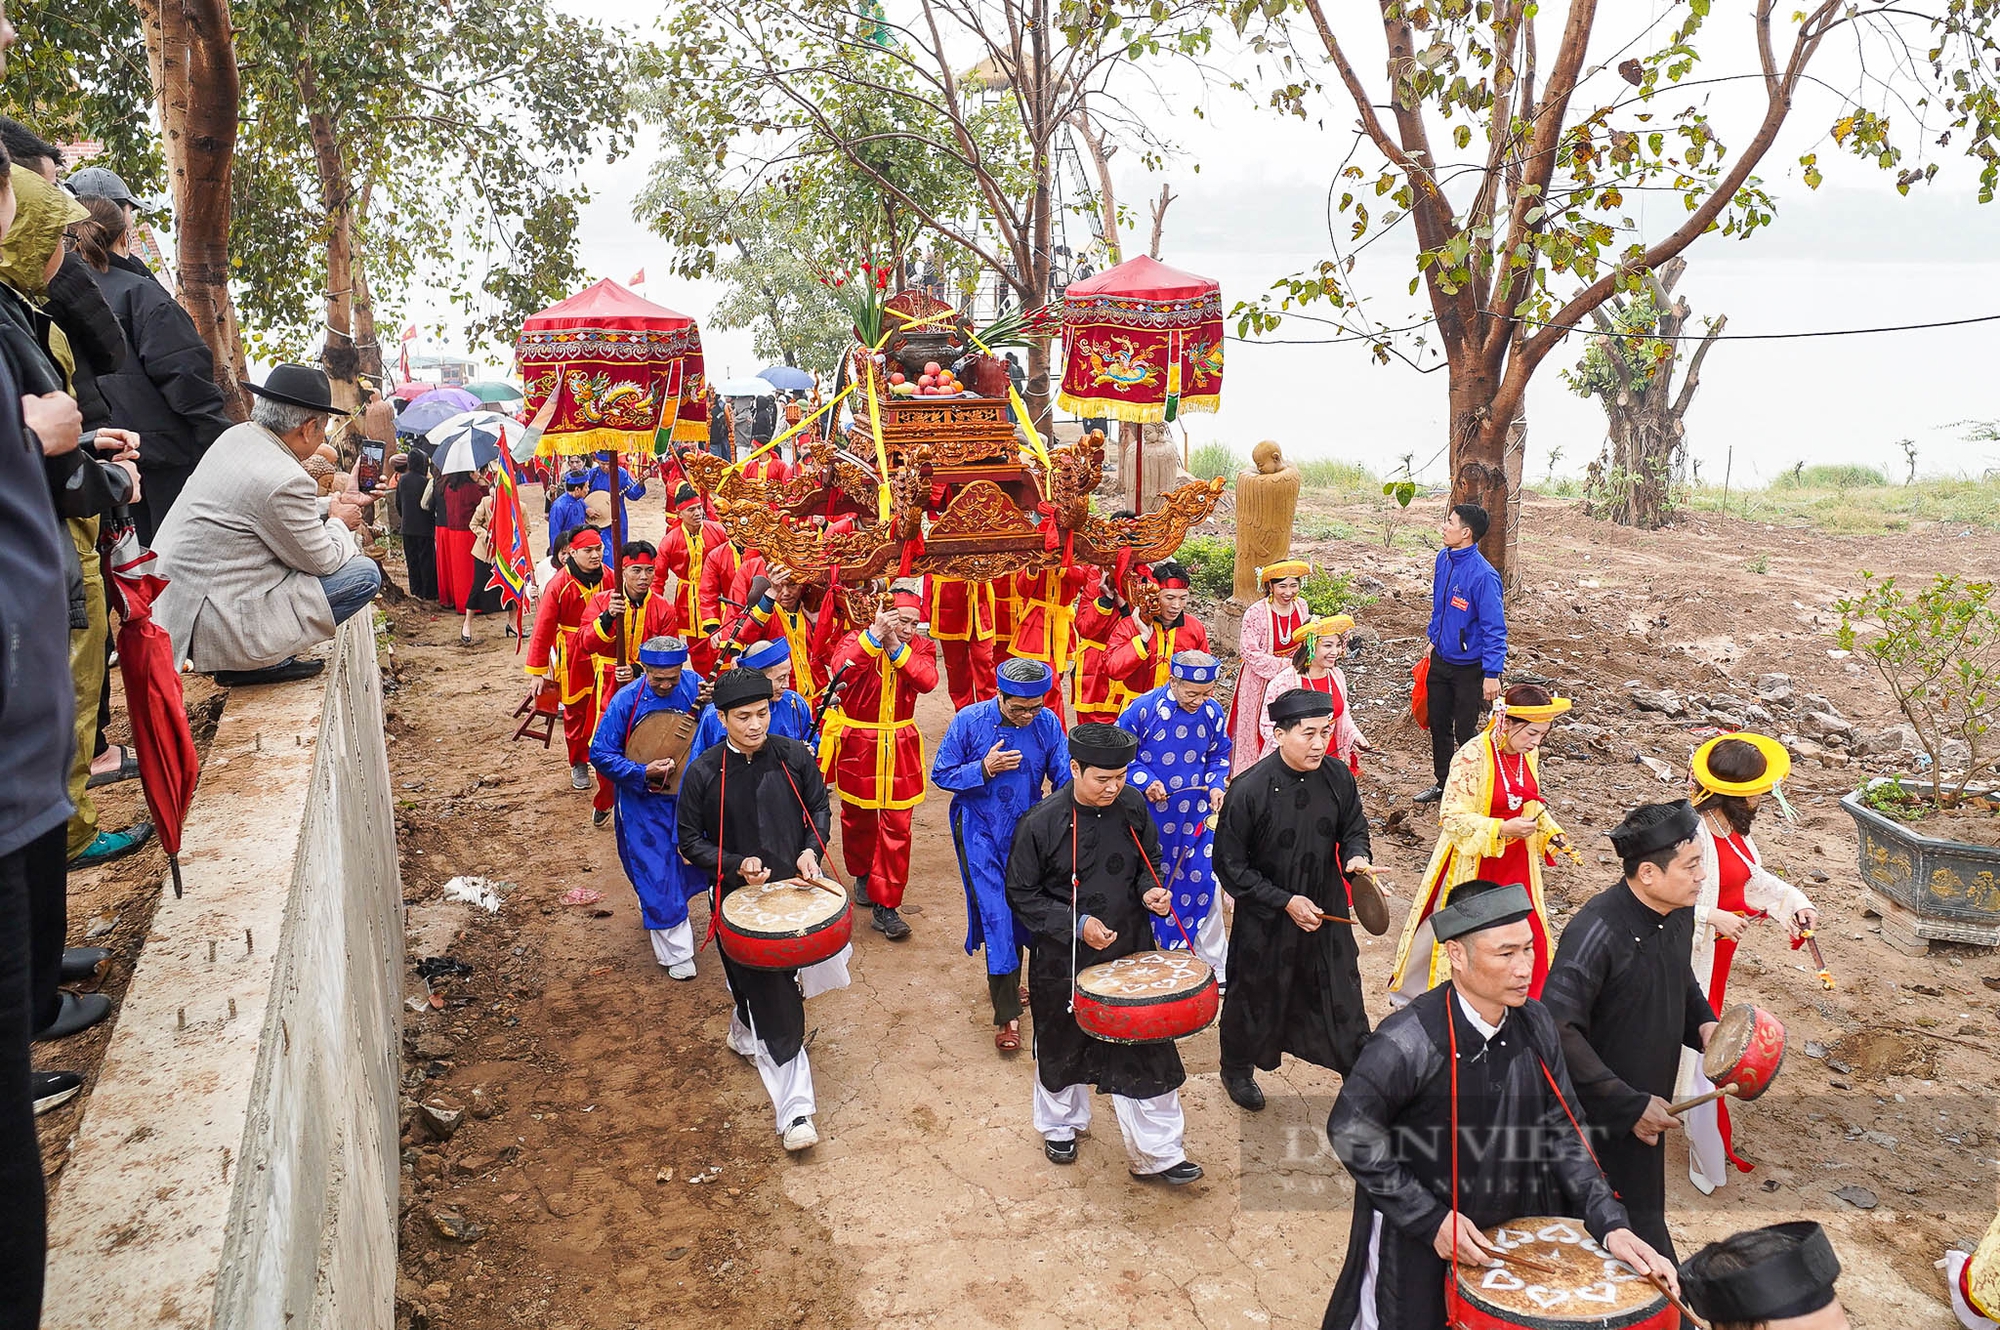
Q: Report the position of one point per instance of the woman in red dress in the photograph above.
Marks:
(462, 493)
(1729, 777)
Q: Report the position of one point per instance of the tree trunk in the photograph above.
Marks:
(1167, 196)
(367, 341)
(192, 53)
(336, 196)
(1479, 457)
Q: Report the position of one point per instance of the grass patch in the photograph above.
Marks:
(1860, 510)
(1831, 476)
(1212, 460)
(1331, 473)
(1335, 593)
(1211, 564)
(1312, 526)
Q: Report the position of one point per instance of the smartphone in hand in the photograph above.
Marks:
(368, 470)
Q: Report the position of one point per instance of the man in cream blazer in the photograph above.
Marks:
(259, 567)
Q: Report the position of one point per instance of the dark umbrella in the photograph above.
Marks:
(168, 763)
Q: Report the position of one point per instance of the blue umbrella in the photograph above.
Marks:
(434, 408)
(787, 379)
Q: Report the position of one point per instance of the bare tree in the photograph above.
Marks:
(1167, 196)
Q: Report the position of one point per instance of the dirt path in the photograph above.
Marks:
(597, 1090)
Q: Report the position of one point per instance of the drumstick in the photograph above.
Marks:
(1825, 975)
(1661, 1284)
(1334, 918)
(1700, 1099)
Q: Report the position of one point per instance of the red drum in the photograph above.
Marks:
(1576, 1285)
(1148, 997)
(785, 925)
(1746, 1051)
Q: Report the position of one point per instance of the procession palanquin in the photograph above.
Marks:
(967, 494)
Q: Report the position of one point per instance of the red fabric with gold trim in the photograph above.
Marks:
(620, 368)
(1144, 343)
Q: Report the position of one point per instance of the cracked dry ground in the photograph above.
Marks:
(598, 1091)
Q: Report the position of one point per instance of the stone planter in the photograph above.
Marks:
(1924, 888)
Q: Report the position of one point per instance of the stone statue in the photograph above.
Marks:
(1159, 466)
(1267, 500)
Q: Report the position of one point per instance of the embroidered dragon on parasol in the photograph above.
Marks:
(938, 474)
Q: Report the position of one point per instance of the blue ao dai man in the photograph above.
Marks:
(647, 816)
(791, 715)
(997, 759)
(1181, 768)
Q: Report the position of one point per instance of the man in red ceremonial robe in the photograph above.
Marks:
(961, 618)
(873, 752)
(683, 550)
(1044, 626)
(767, 466)
(781, 612)
(1097, 617)
(554, 655)
(1142, 646)
(643, 615)
(719, 567)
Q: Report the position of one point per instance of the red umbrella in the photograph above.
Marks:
(409, 392)
(168, 763)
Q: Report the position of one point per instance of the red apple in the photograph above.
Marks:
(926, 381)
(933, 369)
(897, 377)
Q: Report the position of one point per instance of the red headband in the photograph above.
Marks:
(637, 560)
(1170, 581)
(909, 600)
(586, 538)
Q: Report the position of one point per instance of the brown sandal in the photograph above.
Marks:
(1008, 1037)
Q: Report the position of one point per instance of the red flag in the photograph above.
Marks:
(513, 565)
(409, 335)
(637, 279)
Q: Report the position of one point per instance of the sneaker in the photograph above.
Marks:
(861, 896)
(579, 776)
(800, 1135)
(1178, 1176)
(599, 816)
(1060, 1152)
(1430, 796)
(53, 1088)
(890, 924)
(110, 845)
(1244, 1091)
(681, 970)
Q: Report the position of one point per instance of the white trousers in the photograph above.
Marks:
(673, 946)
(1365, 1318)
(827, 975)
(1708, 1162)
(1211, 940)
(789, 1084)
(1153, 1128)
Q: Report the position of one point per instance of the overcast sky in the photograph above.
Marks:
(1252, 208)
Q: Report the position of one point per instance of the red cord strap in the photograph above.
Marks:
(1147, 860)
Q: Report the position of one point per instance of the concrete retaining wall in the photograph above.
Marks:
(237, 1162)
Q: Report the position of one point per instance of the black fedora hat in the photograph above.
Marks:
(297, 385)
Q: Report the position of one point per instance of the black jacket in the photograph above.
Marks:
(95, 339)
(36, 697)
(166, 389)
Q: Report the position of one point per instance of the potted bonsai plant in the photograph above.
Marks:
(1930, 841)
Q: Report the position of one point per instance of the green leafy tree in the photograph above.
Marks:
(1507, 159)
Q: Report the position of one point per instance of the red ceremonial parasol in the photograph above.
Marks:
(626, 374)
(1145, 343)
(168, 763)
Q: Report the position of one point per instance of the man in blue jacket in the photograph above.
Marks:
(1468, 639)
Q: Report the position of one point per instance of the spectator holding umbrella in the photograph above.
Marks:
(165, 391)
